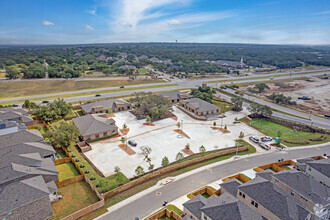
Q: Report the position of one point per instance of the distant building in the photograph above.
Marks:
(115, 105)
(227, 63)
(127, 67)
(7, 127)
(16, 114)
(175, 96)
(200, 107)
(95, 126)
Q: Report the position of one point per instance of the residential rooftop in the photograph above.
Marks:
(94, 123)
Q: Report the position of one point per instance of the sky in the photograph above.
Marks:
(198, 21)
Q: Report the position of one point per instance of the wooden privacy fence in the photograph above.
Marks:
(164, 212)
(276, 166)
(239, 176)
(168, 169)
(206, 189)
(69, 181)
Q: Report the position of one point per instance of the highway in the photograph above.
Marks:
(146, 204)
(314, 120)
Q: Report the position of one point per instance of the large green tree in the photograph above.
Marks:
(260, 110)
(64, 135)
(12, 72)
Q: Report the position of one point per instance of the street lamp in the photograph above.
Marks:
(181, 124)
(310, 114)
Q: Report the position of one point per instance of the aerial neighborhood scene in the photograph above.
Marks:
(165, 110)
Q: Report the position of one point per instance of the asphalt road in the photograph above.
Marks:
(314, 120)
(150, 202)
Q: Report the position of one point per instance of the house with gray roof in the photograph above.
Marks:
(116, 105)
(270, 201)
(227, 63)
(223, 207)
(28, 176)
(309, 191)
(175, 96)
(200, 108)
(95, 126)
(230, 186)
(18, 115)
(319, 170)
(7, 127)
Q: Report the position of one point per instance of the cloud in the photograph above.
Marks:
(89, 28)
(47, 23)
(173, 22)
(92, 12)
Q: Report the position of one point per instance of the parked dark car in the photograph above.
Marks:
(325, 77)
(327, 116)
(122, 87)
(304, 98)
(45, 101)
(254, 139)
(97, 95)
(15, 105)
(132, 142)
(140, 117)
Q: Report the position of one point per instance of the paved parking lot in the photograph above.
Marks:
(163, 140)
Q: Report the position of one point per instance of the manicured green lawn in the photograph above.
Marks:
(288, 134)
(169, 207)
(76, 196)
(80, 112)
(70, 114)
(143, 70)
(66, 171)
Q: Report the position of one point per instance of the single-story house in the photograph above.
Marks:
(200, 107)
(175, 96)
(115, 105)
(16, 114)
(95, 126)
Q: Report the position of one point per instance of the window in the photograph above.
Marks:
(256, 205)
(205, 217)
(292, 192)
(105, 134)
(88, 137)
(97, 136)
(252, 202)
(240, 193)
(309, 168)
(113, 131)
(243, 195)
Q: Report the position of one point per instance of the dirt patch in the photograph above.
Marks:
(317, 89)
(181, 132)
(187, 151)
(124, 131)
(221, 129)
(127, 149)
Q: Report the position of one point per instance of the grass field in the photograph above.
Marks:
(143, 70)
(66, 171)
(169, 207)
(271, 129)
(75, 197)
(14, 89)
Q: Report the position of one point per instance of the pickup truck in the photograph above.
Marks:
(304, 98)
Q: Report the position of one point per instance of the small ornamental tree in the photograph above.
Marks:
(179, 156)
(214, 124)
(187, 146)
(202, 149)
(165, 161)
(148, 119)
(124, 126)
(117, 170)
(178, 125)
(122, 140)
(225, 127)
(241, 134)
(110, 111)
(139, 171)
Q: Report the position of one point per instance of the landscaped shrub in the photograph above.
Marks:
(321, 138)
(98, 184)
(72, 155)
(82, 166)
(86, 171)
(77, 160)
(92, 178)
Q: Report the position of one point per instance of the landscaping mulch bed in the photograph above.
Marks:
(124, 131)
(149, 124)
(181, 132)
(221, 129)
(111, 115)
(127, 149)
(187, 151)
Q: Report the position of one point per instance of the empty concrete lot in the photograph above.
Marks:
(162, 140)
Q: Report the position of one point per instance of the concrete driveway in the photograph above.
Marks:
(163, 141)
